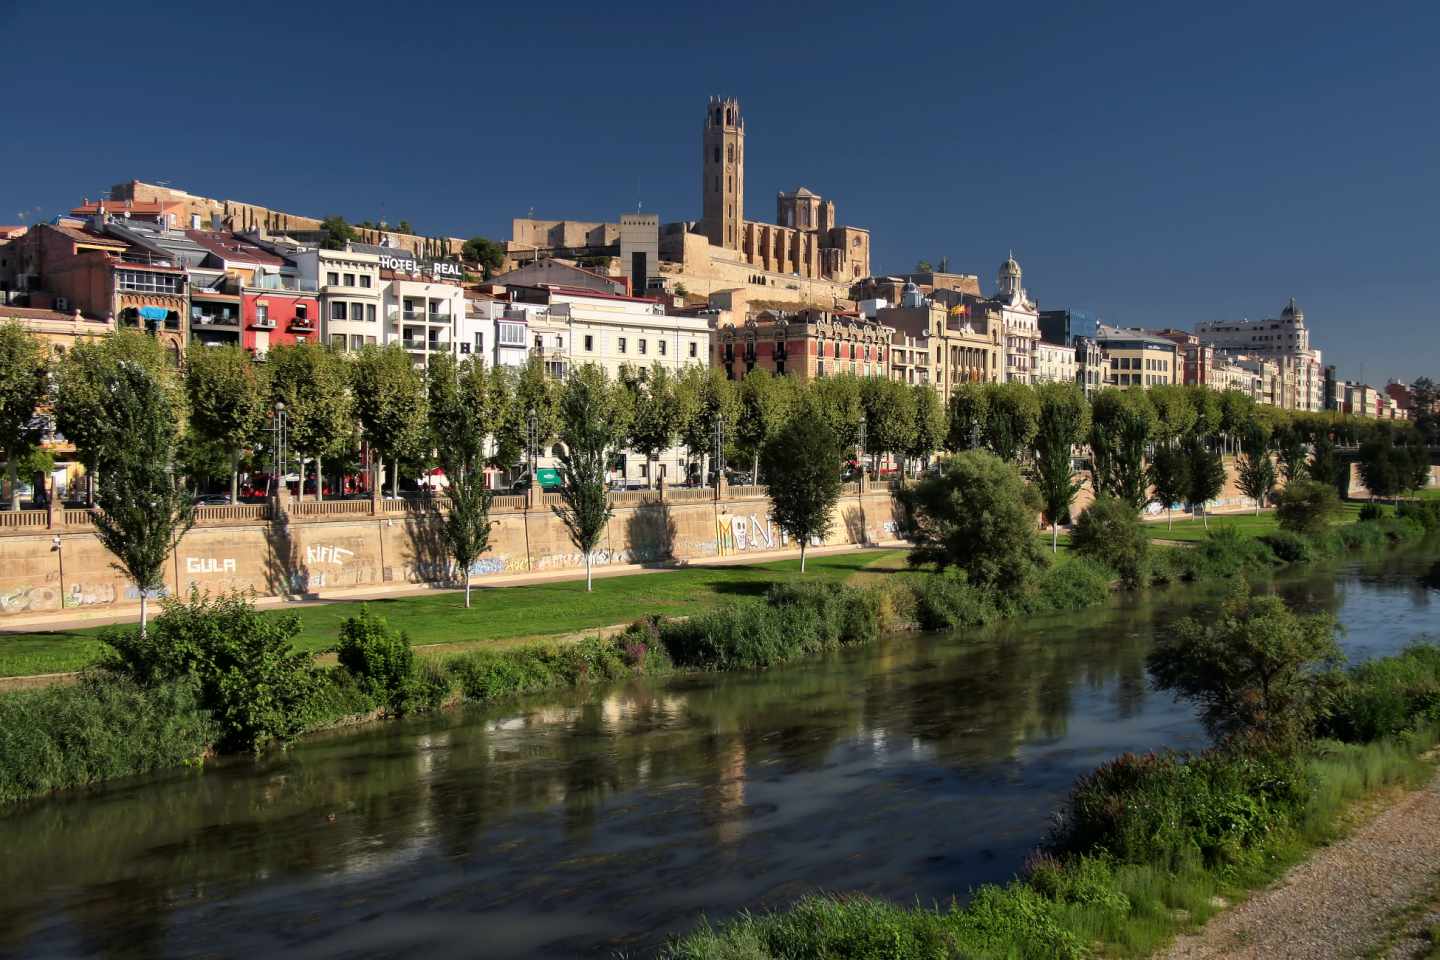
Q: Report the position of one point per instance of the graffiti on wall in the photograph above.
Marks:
(209, 565)
(21, 599)
(740, 533)
(88, 595)
(328, 554)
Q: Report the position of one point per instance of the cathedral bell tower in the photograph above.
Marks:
(722, 185)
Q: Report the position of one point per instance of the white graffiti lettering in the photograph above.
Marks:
(328, 554)
(209, 565)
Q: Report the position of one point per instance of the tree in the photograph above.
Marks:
(924, 266)
(589, 433)
(314, 384)
(227, 394)
(520, 393)
(1205, 471)
(1121, 422)
(390, 403)
(1425, 409)
(802, 469)
(1064, 422)
(838, 402)
(973, 515)
(659, 411)
(930, 423)
(1209, 411)
(966, 412)
(144, 510)
(1289, 443)
(1237, 411)
(1257, 470)
(1110, 533)
(1174, 413)
(1013, 416)
(715, 400)
(1307, 507)
(1169, 478)
(23, 385)
(889, 418)
(1325, 465)
(484, 253)
(764, 403)
(461, 409)
(1256, 669)
(82, 390)
(1386, 469)
(337, 233)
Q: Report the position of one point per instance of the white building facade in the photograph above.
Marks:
(1284, 342)
(1021, 324)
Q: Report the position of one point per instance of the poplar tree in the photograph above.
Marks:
(655, 398)
(1205, 471)
(461, 410)
(764, 402)
(930, 423)
(144, 510)
(966, 412)
(889, 409)
(716, 400)
(228, 395)
(1256, 469)
(23, 386)
(1012, 417)
(592, 426)
(1121, 422)
(1063, 422)
(802, 470)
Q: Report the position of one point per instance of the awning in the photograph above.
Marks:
(154, 313)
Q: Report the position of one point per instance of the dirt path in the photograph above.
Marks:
(1343, 901)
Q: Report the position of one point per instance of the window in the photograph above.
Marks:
(620, 344)
(337, 310)
(369, 341)
(357, 341)
(539, 343)
(349, 279)
(642, 347)
(364, 279)
(660, 345)
(337, 340)
(370, 313)
(147, 282)
(479, 343)
(559, 342)
(302, 311)
(693, 349)
(717, 160)
(512, 334)
(262, 314)
(332, 278)
(589, 343)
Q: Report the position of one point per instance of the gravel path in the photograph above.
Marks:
(1340, 902)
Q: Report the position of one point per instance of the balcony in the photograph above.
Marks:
(418, 345)
(420, 316)
(230, 321)
(302, 324)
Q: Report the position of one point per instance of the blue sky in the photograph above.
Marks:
(1159, 163)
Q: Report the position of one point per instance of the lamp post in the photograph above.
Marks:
(862, 447)
(718, 457)
(532, 440)
(281, 440)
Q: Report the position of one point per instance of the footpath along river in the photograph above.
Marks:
(596, 823)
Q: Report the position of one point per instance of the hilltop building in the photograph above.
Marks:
(1285, 343)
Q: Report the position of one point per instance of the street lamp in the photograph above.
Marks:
(862, 448)
(532, 440)
(282, 439)
(719, 455)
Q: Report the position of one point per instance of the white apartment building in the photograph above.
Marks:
(1021, 323)
(1054, 363)
(1284, 342)
(350, 293)
(496, 330)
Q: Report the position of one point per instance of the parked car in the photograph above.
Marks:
(213, 500)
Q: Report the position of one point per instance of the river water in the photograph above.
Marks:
(591, 825)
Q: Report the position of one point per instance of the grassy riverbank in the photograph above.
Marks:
(499, 614)
(1146, 846)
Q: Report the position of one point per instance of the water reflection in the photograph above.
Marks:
(577, 825)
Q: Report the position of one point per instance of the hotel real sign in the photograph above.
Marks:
(436, 269)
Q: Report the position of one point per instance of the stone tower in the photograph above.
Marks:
(722, 186)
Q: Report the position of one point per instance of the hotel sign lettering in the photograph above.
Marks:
(439, 269)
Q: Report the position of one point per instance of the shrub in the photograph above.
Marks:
(1424, 512)
(1166, 809)
(746, 636)
(1223, 553)
(103, 727)
(845, 615)
(1072, 584)
(1109, 532)
(1289, 547)
(1306, 507)
(1386, 697)
(1253, 668)
(248, 673)
(947, 601)
(379, 657)
(1371, 511)
(974, 515)
(1356, 536)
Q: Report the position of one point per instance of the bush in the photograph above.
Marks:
(101, 728)
(1386, 697)
(248, 673)
(1306, 507)
(1371, 511)
(1166, 809)
(947, 601)
(1071, 584)
(974, 515)
(1109, 532)
(485, 675)
(845, 615)
(1289, 547)
(1424, 512)
(380, 658)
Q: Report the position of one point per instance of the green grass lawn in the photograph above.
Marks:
(1247, 524)
(497, 614)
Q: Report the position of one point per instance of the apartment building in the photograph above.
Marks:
(1136, 358)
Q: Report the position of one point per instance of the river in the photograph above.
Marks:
(591, 824)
